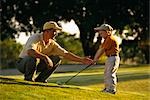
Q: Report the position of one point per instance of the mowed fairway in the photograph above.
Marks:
(133, 85)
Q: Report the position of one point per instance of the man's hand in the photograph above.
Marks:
(87, 60)
(94, 62)
(48, 61)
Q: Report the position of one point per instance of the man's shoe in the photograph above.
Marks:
(109, 91)
(43, 81)
(29, 80)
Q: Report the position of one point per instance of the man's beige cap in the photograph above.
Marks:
(104, 27)
(51, 25)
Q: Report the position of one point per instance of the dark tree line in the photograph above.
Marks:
(87, 15)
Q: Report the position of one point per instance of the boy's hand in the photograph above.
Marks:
(94, 62)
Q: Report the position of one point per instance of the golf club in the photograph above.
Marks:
(60, 83)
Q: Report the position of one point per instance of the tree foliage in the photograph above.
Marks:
(30, 15)
(9, 53)
(71, 44)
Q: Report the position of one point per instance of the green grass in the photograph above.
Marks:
(133, 85)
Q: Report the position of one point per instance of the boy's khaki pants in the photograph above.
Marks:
(111, 67)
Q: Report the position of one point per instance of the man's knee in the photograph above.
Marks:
(56, 60)
(25, 63)
(30, 63)
(30, 59)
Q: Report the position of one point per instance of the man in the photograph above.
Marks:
(110, 47)
(42, 54)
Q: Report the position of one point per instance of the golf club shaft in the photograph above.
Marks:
(77, 74)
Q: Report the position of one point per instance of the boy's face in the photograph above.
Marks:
(103, 33)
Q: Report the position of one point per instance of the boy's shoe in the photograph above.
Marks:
(109, 91)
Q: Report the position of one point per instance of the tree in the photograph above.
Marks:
(30, 15)
(9, 53)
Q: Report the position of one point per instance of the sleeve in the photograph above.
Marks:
(31, 43)
(58, 50)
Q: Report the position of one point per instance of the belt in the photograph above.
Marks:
(112, 55)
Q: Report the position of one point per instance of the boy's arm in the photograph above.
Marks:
(99, 54)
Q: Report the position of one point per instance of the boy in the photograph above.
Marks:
(110, 47)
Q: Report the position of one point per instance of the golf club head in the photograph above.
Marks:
(60, 83)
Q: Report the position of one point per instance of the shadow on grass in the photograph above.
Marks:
(84, 80)
(4, 80)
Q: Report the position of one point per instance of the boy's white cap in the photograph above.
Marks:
(104, 27)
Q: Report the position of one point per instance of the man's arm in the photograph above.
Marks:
(98, 54)
(36, 54)
(73, 57)
(70, 56)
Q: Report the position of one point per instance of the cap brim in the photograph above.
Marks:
(58, 28)
(97, 29)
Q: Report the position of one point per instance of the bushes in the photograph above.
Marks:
(9, 53)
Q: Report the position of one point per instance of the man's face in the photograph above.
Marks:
(51, 32)
(103, 33)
